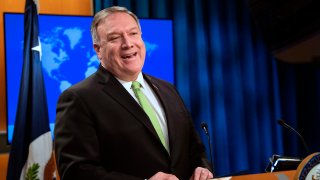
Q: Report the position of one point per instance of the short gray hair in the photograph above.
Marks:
(101, 15)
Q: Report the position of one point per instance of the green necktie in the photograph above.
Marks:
(146, 106)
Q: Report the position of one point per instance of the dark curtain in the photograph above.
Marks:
(300, 103)
(229, 80)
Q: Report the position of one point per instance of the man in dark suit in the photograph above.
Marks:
(101, 130)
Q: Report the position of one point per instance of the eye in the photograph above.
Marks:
(133, 33)
(113, 38)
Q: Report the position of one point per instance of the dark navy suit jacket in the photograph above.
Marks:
(101, 132)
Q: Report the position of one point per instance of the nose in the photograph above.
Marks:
(126, 42)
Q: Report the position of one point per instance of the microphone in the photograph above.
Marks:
(204, 126)
(285, 125)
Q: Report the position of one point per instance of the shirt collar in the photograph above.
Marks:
(141, 80)
(127, 84)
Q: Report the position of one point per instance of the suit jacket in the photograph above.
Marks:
(101, 132)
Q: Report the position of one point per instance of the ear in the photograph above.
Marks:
(97, 49)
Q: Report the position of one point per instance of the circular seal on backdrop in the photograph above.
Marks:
(309, 168)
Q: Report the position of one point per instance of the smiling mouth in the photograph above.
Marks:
(129, 56)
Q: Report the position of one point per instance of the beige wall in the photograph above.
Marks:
(66, 7)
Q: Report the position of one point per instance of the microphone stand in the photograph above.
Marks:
(204, 126)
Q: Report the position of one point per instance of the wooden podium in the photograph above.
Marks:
(308, 169)
(281, 175)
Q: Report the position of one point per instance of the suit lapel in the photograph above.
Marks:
(116, 91)
(166, 104)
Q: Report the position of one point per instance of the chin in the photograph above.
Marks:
(134, 68)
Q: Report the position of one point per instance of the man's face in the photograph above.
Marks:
(121, 49)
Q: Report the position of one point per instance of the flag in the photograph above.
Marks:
(31, 155)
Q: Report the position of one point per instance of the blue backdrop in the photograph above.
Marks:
(228, 79)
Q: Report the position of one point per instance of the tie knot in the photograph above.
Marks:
(135, 85)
